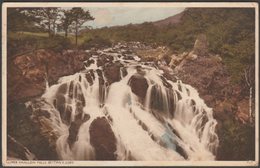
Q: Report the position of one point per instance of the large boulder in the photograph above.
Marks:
(103, 139)
(74, 127)
(243, 111)
(138, 85)
(112, 72)
(201, 45)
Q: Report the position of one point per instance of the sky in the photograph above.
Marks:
(112, 16)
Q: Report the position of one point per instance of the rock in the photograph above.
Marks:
(30, 132)
(158, 104)
(89, 62)
(207, 75)
(103, 139)
(209, 100)
(63, 103)
(138, 85)
(223, 110)
(27, 74)
(18, 150)
(201, 45)
(103, 59)
(112, 72)
(176, 59)
(243, 111)
(74, 127)
(192, 56)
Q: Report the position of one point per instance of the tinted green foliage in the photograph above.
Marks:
(19, 43)
(18, 21)
(95, 42)
(237, 141)
(230, 32)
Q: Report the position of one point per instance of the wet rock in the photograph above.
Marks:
(181, 151)
(124, 71)
(103, 139)
(30, 131)
(165, 82)
(89, 78)
(63, 88)
(138, 85)
(128, 57)
(104, 59)
(159, 101)
(89, 62)
(18, 150)
(74, 127)
(112, 72)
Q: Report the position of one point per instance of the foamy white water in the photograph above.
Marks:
(171, 123)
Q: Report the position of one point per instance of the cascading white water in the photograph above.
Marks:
(171, 123)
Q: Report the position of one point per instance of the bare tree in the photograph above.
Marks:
(249, 83)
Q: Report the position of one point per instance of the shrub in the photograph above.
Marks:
(237, 141)
(21, 43)
(96, 41)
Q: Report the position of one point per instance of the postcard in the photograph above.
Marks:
(130, 84)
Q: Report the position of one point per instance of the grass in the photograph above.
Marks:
(44, 34)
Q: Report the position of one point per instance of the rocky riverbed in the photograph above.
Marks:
(30, 76)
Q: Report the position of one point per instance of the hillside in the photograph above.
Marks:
(172, 20)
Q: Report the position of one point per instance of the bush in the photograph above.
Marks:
(21, 43)
(95, 42)
(237, 141)
(56, 43)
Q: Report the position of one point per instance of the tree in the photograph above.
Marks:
(17, 20)
(66, 21)
(48, 17)
(79, 17)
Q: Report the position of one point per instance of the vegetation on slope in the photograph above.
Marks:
(230, 32)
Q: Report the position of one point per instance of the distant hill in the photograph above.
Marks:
(170, 20)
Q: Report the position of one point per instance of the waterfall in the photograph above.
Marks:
(170, 122)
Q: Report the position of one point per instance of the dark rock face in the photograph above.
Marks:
(138, 85)
(27, 74)
(207, 75)
(28, 133)
(103, 59)
(210, 77)
(74, 127)
(18, 150)
(201, 45)
(112, 72)
(63, 104)
(103, 139)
